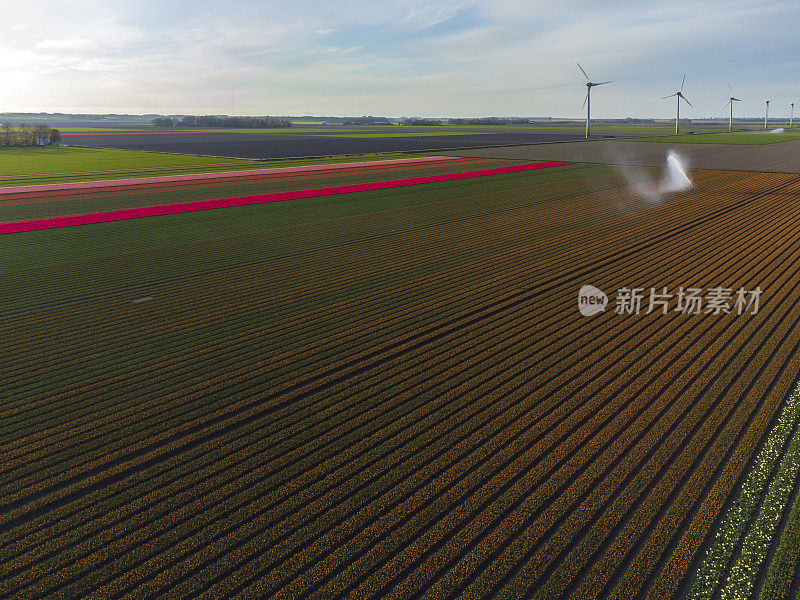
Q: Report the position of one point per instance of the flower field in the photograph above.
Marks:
(391, 393)
(170, 209)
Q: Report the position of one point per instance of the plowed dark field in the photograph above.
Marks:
(281, 145)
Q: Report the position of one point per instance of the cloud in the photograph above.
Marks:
(498, 57)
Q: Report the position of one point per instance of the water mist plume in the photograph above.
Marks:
(675, 179)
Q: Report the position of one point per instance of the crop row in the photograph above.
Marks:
(781, 579)
(375, 425)
(265, 276)
(778, 361)
(773, 465)
(256, 293)
(349, 508)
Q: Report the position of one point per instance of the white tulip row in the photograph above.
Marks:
(743, 574)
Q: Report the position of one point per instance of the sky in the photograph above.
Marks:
(398, 58)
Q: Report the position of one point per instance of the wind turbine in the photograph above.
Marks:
(791, 118)
(679, 95)
(766, 114)
(731, 101)
(587, 101)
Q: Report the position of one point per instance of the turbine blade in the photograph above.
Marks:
(670, 96)
(684, 81)
(602, 82)
(730, 88)
(584, 72)
(728, 102)
(771, 99)
(584, 100)
(685, 100)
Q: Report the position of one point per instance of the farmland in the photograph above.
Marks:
(390, 393)
(783, 157)
(738, 137)
(319, 141)
(26, 166)
(58, 160)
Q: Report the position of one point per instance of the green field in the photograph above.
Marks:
(32, 166)
(572, 127)
(737, 137)
(62, 159)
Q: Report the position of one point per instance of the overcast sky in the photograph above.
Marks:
(404, 57)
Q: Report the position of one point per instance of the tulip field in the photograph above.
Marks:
(388, 390)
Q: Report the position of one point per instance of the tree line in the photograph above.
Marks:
(25, 134)
(420, 122)
(490, 121)
(215, 121)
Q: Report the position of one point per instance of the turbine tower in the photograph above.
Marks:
(679, 95)
(766, 114)
(587, 100)
(731, 101)
(791, 118)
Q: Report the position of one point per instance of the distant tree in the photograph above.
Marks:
(238, 122)
(26, 134)
(7, 134)
(489, 121)
(367, 120)
(163, 122)
(41, 134)
(55, 136)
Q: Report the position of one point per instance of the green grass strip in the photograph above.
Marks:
(737, 138)
(740, 579)
(63, 159)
